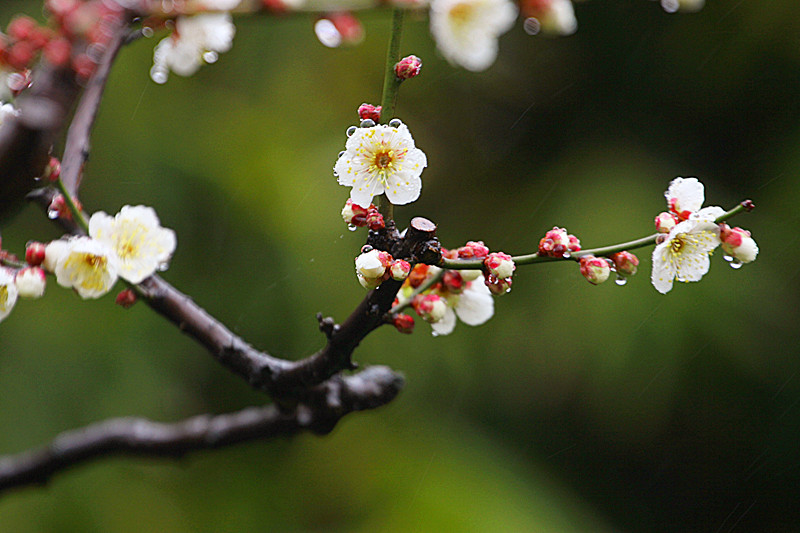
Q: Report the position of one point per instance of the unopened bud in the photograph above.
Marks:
(665, 222)
(369, 265)
(353, 214)
(375, 220)
(453, 282)
(499, 265)
(473, 249)
(34, 253)
(430, 307)
(595, 269)
(737, 243)
(369, 112)
(126, 298)
(558, 242)
(626, 263)
(400, 269)
(408, 67)
(497, 286)
(53, 170)
(418, 275)
(30, 282)
(404, 323)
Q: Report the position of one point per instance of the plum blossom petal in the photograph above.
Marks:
(476, 304)
(136, 236)
(196, 39)
(8, 293)
(88, 266)
(466, 31)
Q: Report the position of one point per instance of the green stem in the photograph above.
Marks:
(529, 259)
(391, 86)
(77, 216)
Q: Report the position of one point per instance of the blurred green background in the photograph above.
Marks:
(577, 408)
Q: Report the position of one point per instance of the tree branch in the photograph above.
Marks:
(327, 404)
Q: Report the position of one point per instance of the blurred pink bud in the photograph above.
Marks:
(626, 263)
(404, 323)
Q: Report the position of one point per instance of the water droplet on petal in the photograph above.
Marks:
(735, 264)
(367, 123)
(395, 123)
(532, 26)
(341, 153)
(727, 258)
(163, 266)
(52, 214)
(147, 31)
(327, 33)
(566, 255)
(350, 131)
(352, 227)
(159, 75)
(210, 57)
(621, 280)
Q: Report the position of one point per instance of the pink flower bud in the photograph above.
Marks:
(626, 263)
(126, 298)
(404, 323)
(594, 269)
(737, 243)
(375, 220)
(400, 269)
(473, 249)
(453, 282)
(370, 264)
(53, 170)
(558, 242)
(665, 222)
(418, 275)
(408, 67)
(34, 253)
(430, 307)
(353, 214)
(499, 265)
(30, 282)
(369, 111)
(497, 286)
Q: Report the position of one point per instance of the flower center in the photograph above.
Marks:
(461, 13)
(384, 159)
(677, 244)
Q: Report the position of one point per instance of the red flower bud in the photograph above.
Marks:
(408, 67)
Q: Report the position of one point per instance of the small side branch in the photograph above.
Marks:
(326, 405)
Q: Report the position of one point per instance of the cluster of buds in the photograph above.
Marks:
(499, 269)
(558, 243)
(91, 23)
(29, 281)
(356, 216)
(738, 244)
(597, 270)
(373, 267)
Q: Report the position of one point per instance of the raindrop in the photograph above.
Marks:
(350, 131)
(159, 75)
(670, 6)
(395, 123)
(621, 280)
(163, 266)
(532, 26)
(366, 249)
(735, 264)
(435, 333)
(341, 153)
(508, 289)
(367, 123)
(566, 255)
(352, 227)
(210, 57)
(52, 214)
(727, 258)
(327, 33)
(148, 32)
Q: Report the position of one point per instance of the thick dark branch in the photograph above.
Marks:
(327, 404)
(286, 380)
(76, 149)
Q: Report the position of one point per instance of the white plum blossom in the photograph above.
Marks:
(7, 111)
(8, 292)
(196, 39)
(221, 5)
(558, 18)
(473, 307)
(466, 31)
(671, 6)
(685, 197)
(135, 235)
(684, 254)
(381, 159)
(88, 266)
